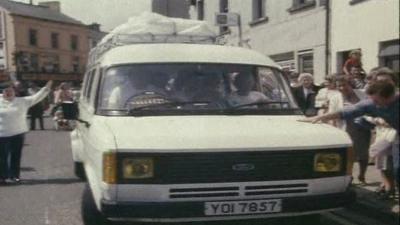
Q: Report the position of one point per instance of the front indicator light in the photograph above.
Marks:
(327, 162)
(137, 168)
(110, 168)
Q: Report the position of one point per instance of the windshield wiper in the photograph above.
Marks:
(172, 104)
(258, 104)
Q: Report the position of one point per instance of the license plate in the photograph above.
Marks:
(242, 207)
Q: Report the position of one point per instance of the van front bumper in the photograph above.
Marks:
(159, 211)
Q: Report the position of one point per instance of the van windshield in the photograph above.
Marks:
(179, 89)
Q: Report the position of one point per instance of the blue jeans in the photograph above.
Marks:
(10, 156)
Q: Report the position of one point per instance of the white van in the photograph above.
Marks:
(175, 132)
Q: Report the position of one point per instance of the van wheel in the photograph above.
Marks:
(90, 214)
(79, 170)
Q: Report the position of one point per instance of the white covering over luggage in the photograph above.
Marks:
(157, 25)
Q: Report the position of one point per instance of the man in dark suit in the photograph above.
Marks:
(305, 94)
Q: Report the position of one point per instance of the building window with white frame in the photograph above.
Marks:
(306, 62)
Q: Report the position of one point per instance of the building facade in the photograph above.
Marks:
(171, 8)
(292, 32)
(40, 43)
(369, 25)
(312, 36)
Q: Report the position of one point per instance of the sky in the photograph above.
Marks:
(108, 13)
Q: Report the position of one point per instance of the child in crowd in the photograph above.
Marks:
(354, 60)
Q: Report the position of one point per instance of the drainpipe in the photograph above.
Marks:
(328, 55)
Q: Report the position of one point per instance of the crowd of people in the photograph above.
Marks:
(366, 106)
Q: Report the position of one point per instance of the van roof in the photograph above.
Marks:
(183, 53)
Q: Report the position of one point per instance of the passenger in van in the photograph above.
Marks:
(185, 85)
(210, 90)
(157, 83)
(245, 94)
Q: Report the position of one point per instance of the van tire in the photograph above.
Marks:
(79, 170)
(90, 214)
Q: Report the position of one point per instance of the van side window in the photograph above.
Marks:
(94, 86)
(271, 85)
(89, 85)
(84, 85)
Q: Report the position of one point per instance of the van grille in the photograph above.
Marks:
(235, 191)
(217, 167)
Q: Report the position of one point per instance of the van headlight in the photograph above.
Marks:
(137, 168)
(327, 162)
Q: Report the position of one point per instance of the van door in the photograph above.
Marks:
(87, 114)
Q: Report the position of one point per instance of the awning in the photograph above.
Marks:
(390, 50)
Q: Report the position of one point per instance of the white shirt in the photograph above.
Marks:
(13, 114)
(337, 102)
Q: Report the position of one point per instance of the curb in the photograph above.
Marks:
(368, 202)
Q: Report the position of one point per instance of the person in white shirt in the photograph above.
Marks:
(13, 126)
(324, 94)
(347, 97)
(244, 94)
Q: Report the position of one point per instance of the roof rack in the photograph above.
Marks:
(146, 38)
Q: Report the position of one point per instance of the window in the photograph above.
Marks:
(1, 25)
(285, 60)
(135, 86)
(353, 2)
(301, 4)
(306, 63)
(51, 63)
(74, 42)
(32, 37)
(389, 54)
(54, 40)
(200, 9)
(258, 9)
(2, 59)
(223, 8)
(34, 62)
(75, 64)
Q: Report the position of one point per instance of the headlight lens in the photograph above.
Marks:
(327, 162)
(137, 168)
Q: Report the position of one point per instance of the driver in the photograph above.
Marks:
(244, 94)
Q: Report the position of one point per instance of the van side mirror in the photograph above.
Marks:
(70, 110)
